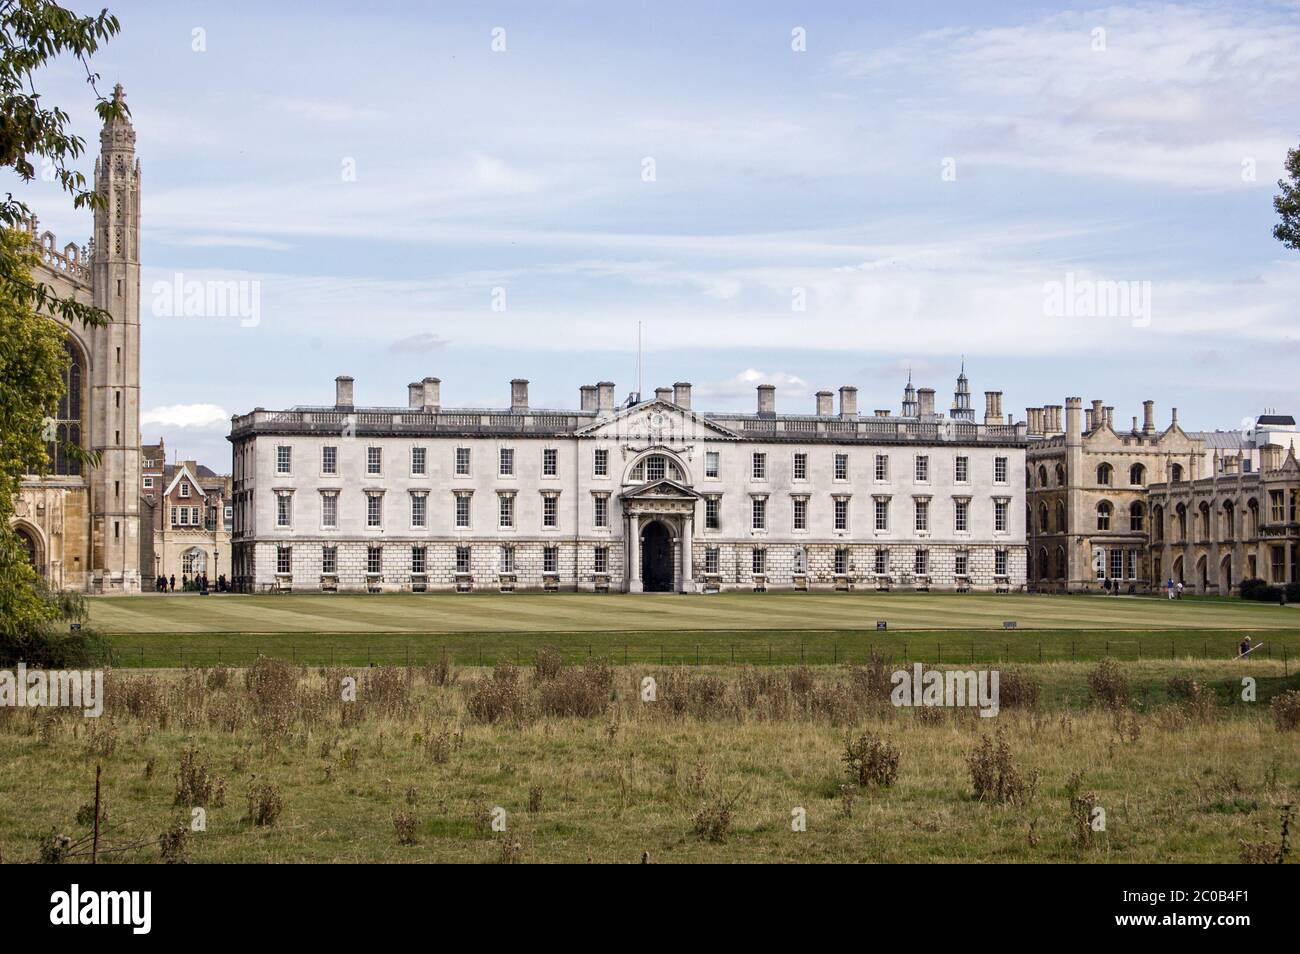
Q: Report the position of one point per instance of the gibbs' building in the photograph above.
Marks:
(647, 495)
(81, 526)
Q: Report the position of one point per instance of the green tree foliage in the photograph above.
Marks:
(1287, 203)
(35, 134)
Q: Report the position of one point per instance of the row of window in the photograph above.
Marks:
(652, 468)
(843, 564)
(1137, 475)
(329, 561)
(840, 504)
(419, 509)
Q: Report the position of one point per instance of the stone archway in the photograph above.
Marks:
(656, 558)
(31, 544)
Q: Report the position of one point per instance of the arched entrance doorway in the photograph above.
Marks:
(27, 540)
(656, 558)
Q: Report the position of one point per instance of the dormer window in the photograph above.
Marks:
(185, 489)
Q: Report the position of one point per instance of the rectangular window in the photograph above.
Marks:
(419, 461)
(507, 462)
(711, 560)
(329, 460)
(462, 511)
(1131, 564)
(462, 559)
(148, 483)
(374, 560)
(961, 515)
(882, 562)
(601, 560)
(1000, 515)
(882, 514)
(506, 510)
(961, 471)
(284, 559)
(711, 466)
(759, 471)
(549, 507)
(922, 515)
(283, 460)
(759, 507)
(329, 560)
(462, 461)
(712, 517)
(1116, 564)
(374, 460)
(550, 559)
(922, 563)
(185, 489)
(841, 513)
(600, 465)
(419, 559)
(999, 470)
(841, 560)
(841, 466)
(283, 510)
(758, 561)
(922, 469)
(801, 513)
(1000, 562)
(419, 510)
(801, 466)
(374, 510)
(882, 467)
(550, 462)
(655, 467)
(329, 510)
(600, 513)
(961, 563)
(507, 559)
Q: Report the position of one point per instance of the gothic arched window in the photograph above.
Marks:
(67, 421)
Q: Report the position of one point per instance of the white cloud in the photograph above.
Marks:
(744, 383)
(205, 416)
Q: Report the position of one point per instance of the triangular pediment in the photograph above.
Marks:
(657, 422)
(664, 489)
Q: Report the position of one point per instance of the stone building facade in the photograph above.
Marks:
(1087, 483)
(651, 495)
(81, 526)
(186, 506)
(1212, 532)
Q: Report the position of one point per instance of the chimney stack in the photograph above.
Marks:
(1034, 420)
(519, 394)
(343, 392)
(605, 398)
(682, 394)
(664, 394)
(992, 407)
(587, 397)
(1135, 424)
(1174, 420)
(882, 412)
(1109, 416)
(415, 395)
(848, 401)
(925, 397)
(432, 388)
(1096, 417)
(825, 404)
(767, 400)
(1148, 417)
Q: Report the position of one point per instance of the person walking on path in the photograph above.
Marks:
(1169, 587)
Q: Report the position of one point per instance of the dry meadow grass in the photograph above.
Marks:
(428, 764)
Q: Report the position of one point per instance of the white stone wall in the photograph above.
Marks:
(575, 484)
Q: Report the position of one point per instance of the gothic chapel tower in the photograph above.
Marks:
(115, 364)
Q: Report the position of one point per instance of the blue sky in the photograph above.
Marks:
(1134, 143)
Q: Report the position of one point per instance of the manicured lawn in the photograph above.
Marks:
(574, 612)
(150, 632)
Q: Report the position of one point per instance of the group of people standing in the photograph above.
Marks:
(165, 584)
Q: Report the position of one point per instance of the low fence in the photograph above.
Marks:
(901, 651)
